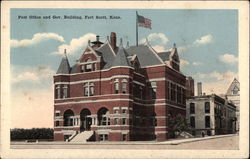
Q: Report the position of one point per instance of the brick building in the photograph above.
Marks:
(115, 93)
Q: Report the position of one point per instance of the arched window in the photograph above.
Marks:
(68, 118)
(103, 118)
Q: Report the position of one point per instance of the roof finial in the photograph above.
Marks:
(174, 46)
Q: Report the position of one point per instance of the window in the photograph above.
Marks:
(116, 111)
(91, 89)
(116, 121)
(57, 123)
(88, 89)
(88, 67)
(57, 114)
(207, 121)
(124, 111)
(192, 108)
(178, 94)
(153, 90)
(65, 91)
(116, 85)
(192, 121)
(173, 92)
(58, 92)
(103, 137)
(124, 86)
(207, 107)
(124, 136)
(123, 121)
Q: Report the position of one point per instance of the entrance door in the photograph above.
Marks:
(85, 120)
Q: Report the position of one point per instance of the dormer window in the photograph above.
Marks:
(88, 66)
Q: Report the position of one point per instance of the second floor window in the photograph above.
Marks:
(88, 89)
(192, 108)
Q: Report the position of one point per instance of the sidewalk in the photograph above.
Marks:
(176, 142)
(169, 142)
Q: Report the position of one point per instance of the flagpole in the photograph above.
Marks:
(136, 28)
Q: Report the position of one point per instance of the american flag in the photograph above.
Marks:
(143, 22)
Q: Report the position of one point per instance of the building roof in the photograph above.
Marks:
(165, 56)
(64, 67)
(107, 54)
(121, 58)
(234, 86)
(145, 54)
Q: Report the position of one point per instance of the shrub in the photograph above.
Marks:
(31, 134)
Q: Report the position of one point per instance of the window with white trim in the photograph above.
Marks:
(116, 86)
(88, 89)
(124, 86)
(88, 66)
(116, 121)
(58, 92)
(153, 89)
(65, 91)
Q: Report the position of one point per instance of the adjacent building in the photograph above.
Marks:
(210, 114)
(233, 95)
(118, 94)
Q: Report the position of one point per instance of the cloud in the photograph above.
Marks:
(37, 38)
(197, 63)
(34, 75)
(76, 44)
(216, 82)
(228, 75)
(228, 58)
(157, 40)
(204, 40)
(183, 63)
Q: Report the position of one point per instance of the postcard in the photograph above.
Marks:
(124, 79)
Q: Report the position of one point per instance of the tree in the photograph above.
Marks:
(178, 123)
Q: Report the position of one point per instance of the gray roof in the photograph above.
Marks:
(145, 55)
(64, 67)
(121, 58)
(73, 69)
(165, 56)
(107, 54)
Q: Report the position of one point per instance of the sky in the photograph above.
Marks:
(207, 43)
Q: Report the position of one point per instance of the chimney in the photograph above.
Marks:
(97, 38)
(199, 88)
(113, 40)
